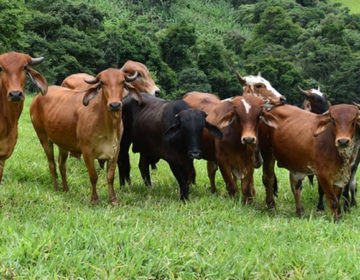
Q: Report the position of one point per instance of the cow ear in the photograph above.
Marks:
(270, 120)
(214, 130)
(324, 119)
(133, 91)
(91, 93)
(227, 120)
(38, 80)
(172, 129)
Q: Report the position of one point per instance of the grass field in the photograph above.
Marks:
(152, 235)
(353, 5)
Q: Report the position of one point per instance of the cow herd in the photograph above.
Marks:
(101, 117)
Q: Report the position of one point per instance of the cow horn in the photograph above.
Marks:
(259, 74)
(318, 88)
(92, 82)
(357, 104)
(36, 60)
(241, 79)
(303, 91)
(132, 78)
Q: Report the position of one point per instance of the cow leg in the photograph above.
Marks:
(123, 162)
(49, 151)
(332, 194)
(345, 194)
(181, 174)
(111, 166)
(247, 187)
(211, 170)
(231, 185)
(89, 162)
(268, 179)
(63, 155)
(144, 170)
(320, 206)
(296, 188)
(353, 186)
(192, 174)
(2, 165)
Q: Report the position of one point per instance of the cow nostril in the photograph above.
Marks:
(283, 99)
(343, 141)
(194, 154)
(248, 140)
(157, 93)
(115, 106)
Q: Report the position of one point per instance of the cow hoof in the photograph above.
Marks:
(94, 201)
(270, 204)
(300, 212)
(337, 218)
(114, 202)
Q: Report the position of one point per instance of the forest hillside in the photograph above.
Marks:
(194, 44)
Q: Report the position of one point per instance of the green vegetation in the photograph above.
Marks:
(187, 45)
(353, 5)
(152, 235)
(293, 43)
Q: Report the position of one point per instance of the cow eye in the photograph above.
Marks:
(138, 75)
(259, 86)
(25, 67)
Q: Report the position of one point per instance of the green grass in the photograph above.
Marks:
(353, 5)
(152, 235)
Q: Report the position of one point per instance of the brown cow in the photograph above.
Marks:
(143, 81)
(13, 69)
(307, 143)
(93, 130)
(234, 154)
(77, 81)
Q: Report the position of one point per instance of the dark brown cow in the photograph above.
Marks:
(306, 143)
(234, 154)
(93, 130)
(143, 81)
(13, 69)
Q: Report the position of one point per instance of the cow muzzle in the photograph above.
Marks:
(15, 96)
(115, 106)
(342, 142)
(158, 93)
(196, 154)
(248, 140)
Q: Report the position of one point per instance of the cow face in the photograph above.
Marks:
(13, 69)
(143, 81)
(342, 119)
(113, 85)
(188, 128)
(245, 116)
(315, 101)
(258, 86)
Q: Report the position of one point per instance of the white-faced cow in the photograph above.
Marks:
(13, 70)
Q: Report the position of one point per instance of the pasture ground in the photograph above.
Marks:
(152, 235)
(353, 5)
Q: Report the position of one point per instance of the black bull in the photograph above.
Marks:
(160, 129)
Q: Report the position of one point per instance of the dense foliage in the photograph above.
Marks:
(194, 44)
